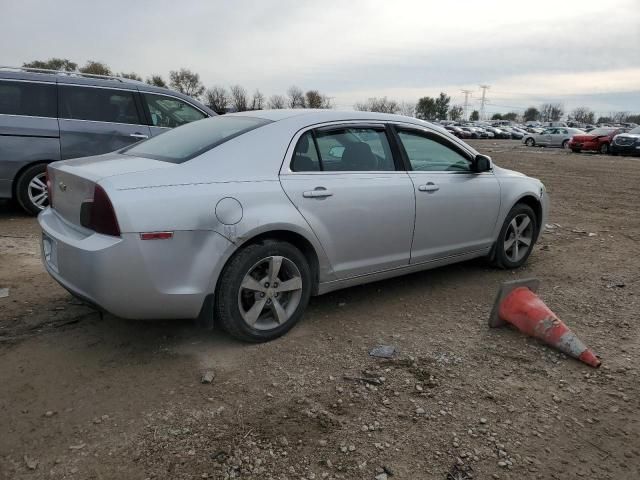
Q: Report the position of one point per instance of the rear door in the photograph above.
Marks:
(96, 120)
(456, 208)
(28, 130)
(164, 112)
(344, 181)
(546, 137)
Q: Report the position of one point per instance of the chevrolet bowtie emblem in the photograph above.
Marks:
(62, 186)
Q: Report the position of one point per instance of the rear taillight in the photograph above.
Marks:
(98, 214)
(49, 189)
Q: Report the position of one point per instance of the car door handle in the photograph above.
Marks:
(429, 187)
(319, 192)
(138, 135)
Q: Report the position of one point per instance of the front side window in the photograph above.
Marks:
(354, 149)
(428, 155)
(29, 99)
(189, 141)
(98, 104)
(170, 112)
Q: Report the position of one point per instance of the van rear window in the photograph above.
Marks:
(29, 99)
(184, 143)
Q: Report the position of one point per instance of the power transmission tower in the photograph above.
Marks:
(467, 93)
(484, 100)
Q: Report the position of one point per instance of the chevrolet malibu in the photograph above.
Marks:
(241, 218)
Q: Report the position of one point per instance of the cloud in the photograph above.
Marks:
(350, 50)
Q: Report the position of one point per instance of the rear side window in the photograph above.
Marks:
(193, 139)
(170, 112)
(98, 104)
(305, 157)
(29, 99)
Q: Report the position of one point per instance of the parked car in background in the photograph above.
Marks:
(472, 131)
(551, 137)
(47, 116)
(241, 218)
(458, 132)
(499, 133)
(513, 133)
(626, 143)
(597, 140)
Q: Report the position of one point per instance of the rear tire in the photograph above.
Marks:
(565, 144)
(249, 304)
(31, 189)
(530, 142)
(575, 150)
(604, 148)
(511, 250)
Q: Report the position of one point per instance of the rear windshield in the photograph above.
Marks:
(193, 139)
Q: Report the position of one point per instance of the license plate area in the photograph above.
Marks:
(50, 251)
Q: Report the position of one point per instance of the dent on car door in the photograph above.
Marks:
(165, 112)
(96, 120)
(344, 181)
(456, 208)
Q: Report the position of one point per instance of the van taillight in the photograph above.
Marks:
(98, 214)
(49, 189)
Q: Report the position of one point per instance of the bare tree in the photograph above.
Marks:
(315, 99)
(375, 104)
(456, 112)
(257, 102)
(619, 117)
(583, 115)
(187, 82)
(156, 80)
(407, 109)
(277, 102)
(551, 112)
(217, 99)
(131, 76)
(239, 99)
(53, 64)
(296, 97)
(96, 68)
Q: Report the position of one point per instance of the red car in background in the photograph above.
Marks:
(597, 140)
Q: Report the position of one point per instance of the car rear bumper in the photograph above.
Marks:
(130, 277)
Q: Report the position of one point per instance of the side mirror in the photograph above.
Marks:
(481, 163)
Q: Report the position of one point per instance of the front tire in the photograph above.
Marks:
(263, 291)
(565, 144)
(31, 189)
(517, 237)
(604, 148)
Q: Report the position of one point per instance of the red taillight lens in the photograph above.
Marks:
(98, 214)
(49, 189)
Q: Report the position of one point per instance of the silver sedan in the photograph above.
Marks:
(241, 218)
(551, 137)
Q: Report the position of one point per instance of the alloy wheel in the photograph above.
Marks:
(518, 238)
(270, 293)
(37, 191)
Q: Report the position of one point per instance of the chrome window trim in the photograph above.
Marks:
(100, 121)
(285, 168)
(2, 79)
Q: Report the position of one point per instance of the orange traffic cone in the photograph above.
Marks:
(518, 305)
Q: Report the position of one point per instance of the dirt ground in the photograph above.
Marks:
(85, 397)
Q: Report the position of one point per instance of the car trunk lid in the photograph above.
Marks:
(73, 182)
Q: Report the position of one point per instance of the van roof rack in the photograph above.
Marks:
(63, 72)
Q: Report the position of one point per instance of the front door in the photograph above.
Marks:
(96, 120)
(456, 208)
(344, 181)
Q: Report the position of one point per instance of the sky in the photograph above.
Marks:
(579, 53)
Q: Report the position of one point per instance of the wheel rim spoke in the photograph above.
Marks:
(509, 243)
(525, 240)
(251, 316)
(290, 285)
(523, 225)
(274, 268)
(39, 199)
(278, 311)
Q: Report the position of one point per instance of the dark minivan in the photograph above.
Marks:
(48, 115)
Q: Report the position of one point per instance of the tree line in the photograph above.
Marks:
(237, 98)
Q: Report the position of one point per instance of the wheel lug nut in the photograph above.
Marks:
(266, 285)
(262, 294)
